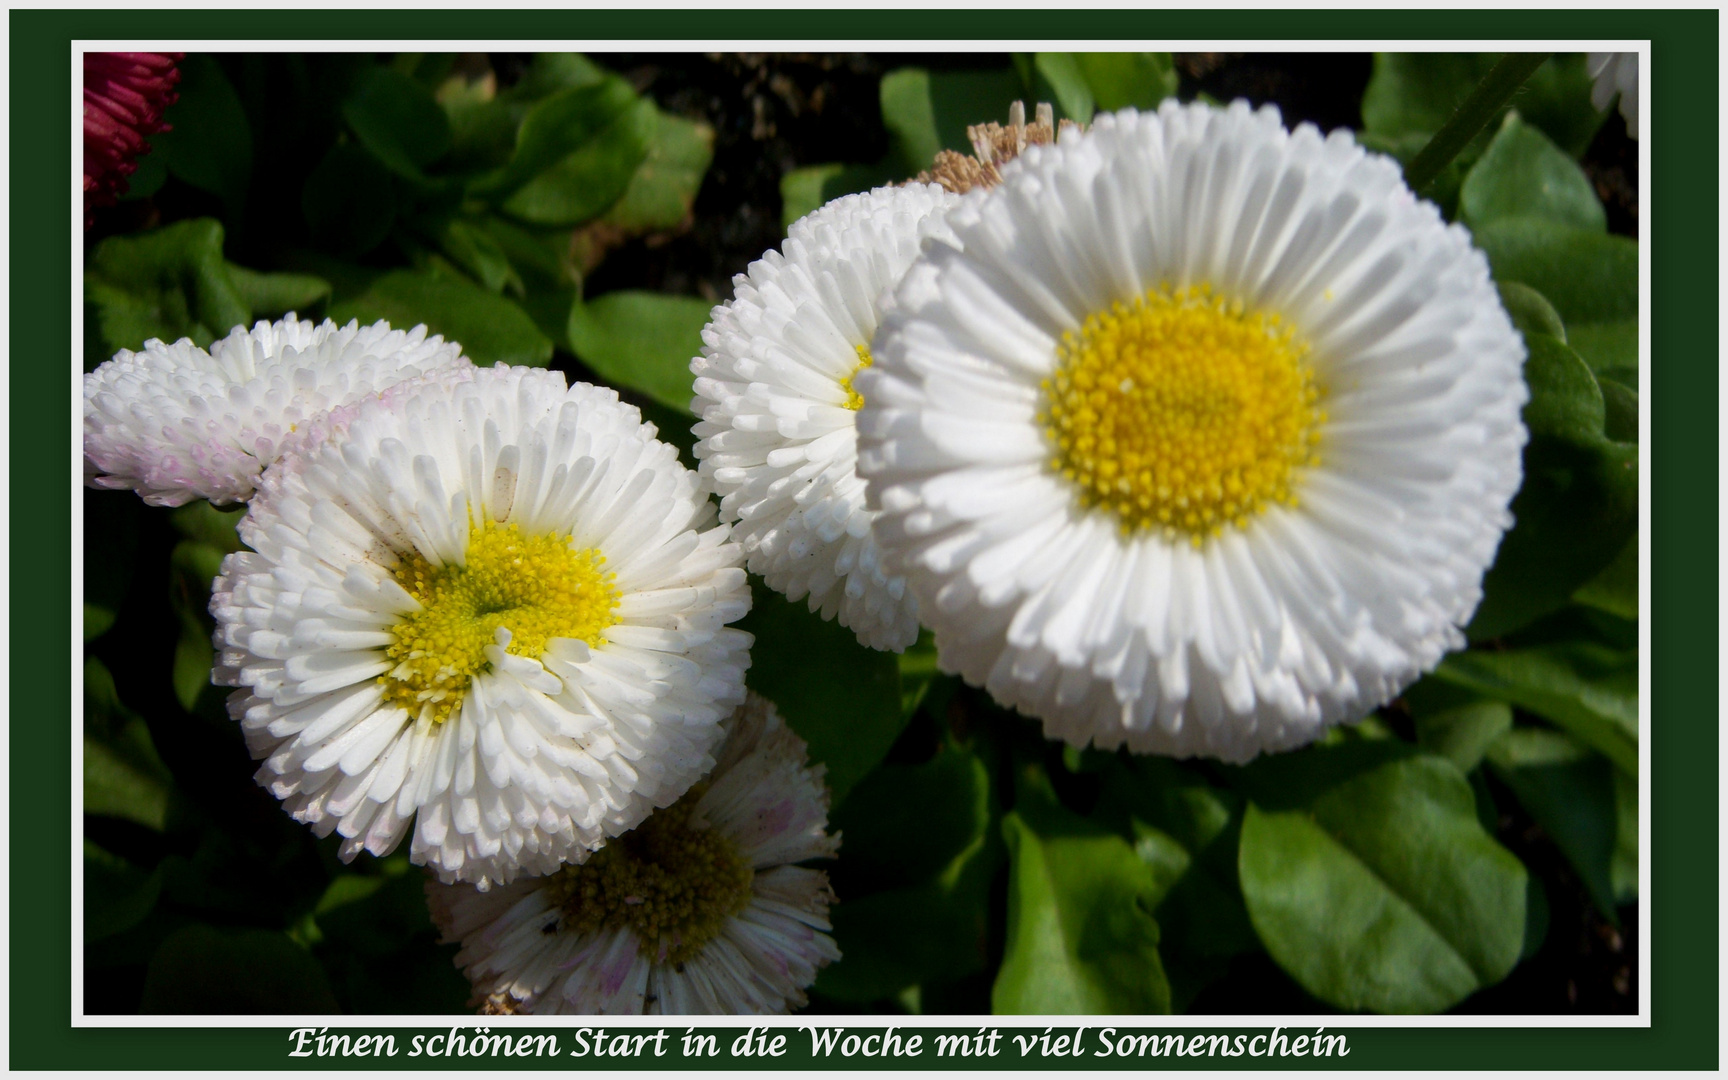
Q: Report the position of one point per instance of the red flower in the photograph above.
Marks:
(124, 95)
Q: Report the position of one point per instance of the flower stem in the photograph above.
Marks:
(1477, 110)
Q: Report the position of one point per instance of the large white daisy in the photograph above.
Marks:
(487, 608)
(1203, 438)
(774, 388)
(698, 911)
(175, 423)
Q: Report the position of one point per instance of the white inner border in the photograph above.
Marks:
(598, 49)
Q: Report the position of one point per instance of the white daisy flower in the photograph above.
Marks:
(175, 423)
(1202, 440)
(700, 910)
(774, 388)
(1615, 74)
(486, 607)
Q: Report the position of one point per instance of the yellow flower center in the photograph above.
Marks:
(670, 882)
(1182, 412)
(855, 400)
(537, 587)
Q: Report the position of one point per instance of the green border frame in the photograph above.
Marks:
(1683, 440)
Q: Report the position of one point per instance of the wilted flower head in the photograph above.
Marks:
(124, 95)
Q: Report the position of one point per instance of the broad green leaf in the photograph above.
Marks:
(217, 526)
(1121, 79)
(1589, 277)
(843, 699)
(1624, 869)
(210, 142)
(473, 248)
(117, 895)
(918, 671)
(540, 258)
(167, 284)
(1619, 411)
(904, 824)
(920, 854)
(491, 329)
(561, 125)
(1570, 793)
(1081, 936)
(398, 120)
(1578, 506)
(664, 187)
(1615, 589)
(1530, 311)
(642, 340)
(1072, 94)
(1523, 174)
(123, 777)
(194, 564)
(1414, 94)
(1609, 347)
(1385, 894)
(1463, 733)
(584, 184)
(550, 72)
(349, 201)
(925, 111)
(1589, 690)
(271, 296)
(208, 969)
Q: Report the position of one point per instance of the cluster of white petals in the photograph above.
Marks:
(544, 756)
(771, 807)
(176, 423)
(1309, 614)
(1615, 74)
(777, 435)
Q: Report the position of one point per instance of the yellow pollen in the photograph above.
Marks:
(537, 587)
(671, 881)
(855, 400)
(1182, 412)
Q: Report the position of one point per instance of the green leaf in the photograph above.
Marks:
(1385, 894)
(1464, 733)
(925, 112)
(1523, 174)
(1530, 311)
(1570, 793)
(117, 517)
(208, 969)
(1122, 79)
(593, 178)
(841, 698)
(1414, 94)
(491, 329)
(920, 854)
(472, 247)
(194, 564)
(642, 340)
(1081, 936)
(210, 143)
(918, 671)
(1609, 347)
(349, 201)
(271, 296)
(1578, 506)
(1589, 690)
(217, 526)
(1588, 277)
(664, 187)
(397, 119)
(550, 72)
(1624, 868)
(167, 284)
(117, 895)
(1615, 589)
(123, 777)
(1062, 75)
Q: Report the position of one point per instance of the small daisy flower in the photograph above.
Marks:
(487, 609)
(1615, 74)
(700, 910)
(774, 388)
(1202, 438)
(124, 97)
(175, 423)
